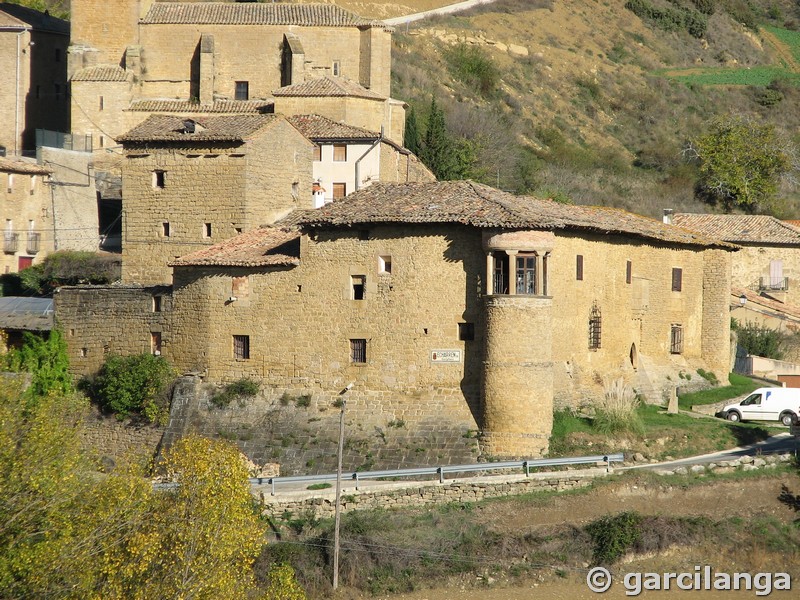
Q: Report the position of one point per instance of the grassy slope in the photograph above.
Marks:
(592, 115)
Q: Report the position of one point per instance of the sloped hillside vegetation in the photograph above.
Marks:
(602, 102)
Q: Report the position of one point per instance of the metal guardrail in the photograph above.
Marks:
(527, 465)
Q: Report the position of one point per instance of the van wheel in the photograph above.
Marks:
(787, 418)
(734, 416)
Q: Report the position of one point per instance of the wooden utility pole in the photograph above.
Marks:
(338, 500)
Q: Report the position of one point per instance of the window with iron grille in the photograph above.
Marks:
(241, 347)
(595, 328)
(358, 351)
(676, 339)
(579, 267)
(677, 279)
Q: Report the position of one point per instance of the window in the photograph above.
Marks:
(100, 103)
(358, 284)
(241, 347)
(676, 339)
(156, 303)
(339, 152)
(677, 279)
(595, 325)
(242, 90)
(317, 152)
(579, 267)
(102, 140)
(207, 230)
(84, 352)
(10, 182)
(358, 351)
(339, 190)
(526, 274)
(385, 264)
(363, 234)
(336, 68)
(628, 271)
(165, 232)
(159, 179)
(155, 343)
(466, 332)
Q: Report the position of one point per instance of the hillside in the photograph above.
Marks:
(591, 104)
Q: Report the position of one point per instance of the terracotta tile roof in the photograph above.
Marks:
(101, 73)
(789, 310)
(254, 13)
(793, 223)
(188, 107)
(267, 246)
(740, 229)
(25, 166)
(327, 87)
(316, 127)
(226, 128)
(478, 205)
(16, 16)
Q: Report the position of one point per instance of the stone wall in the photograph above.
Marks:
(233, 186)
(752, 263)
(25, 208)
(108, 26)
(400, 167)
(113, 441)
(322, 505)
(102, 320)
(99, 109)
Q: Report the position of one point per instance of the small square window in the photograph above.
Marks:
(84, 352)
(159, 179)
(339, 152)
(466, 332)
(579, 267)
(207, 230)
(336, 68)
(238, 230)
(358, 351)
(676, 339)
(339, 190)
(241, 347)
(317, 152)
(385, 264)
(358, 284)
(242, 90)
(165, 229)
(156, 303)
(628, 271)
(677, 279)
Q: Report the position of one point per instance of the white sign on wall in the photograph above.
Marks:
(446, 356)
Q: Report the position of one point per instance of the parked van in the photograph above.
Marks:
(766, 404)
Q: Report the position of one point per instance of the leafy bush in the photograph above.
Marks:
(474, 67)
(137, 384)
(670, 19)
(238, 390)
(761, 341)
(69, 267)
(616, 412)
(613, 536)
(45, 358)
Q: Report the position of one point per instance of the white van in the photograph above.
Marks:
(766, 404)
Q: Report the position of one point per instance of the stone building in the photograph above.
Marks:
(348, 158)
(769, 260)
(455, 303)
(33, 62)
(125, 52)
(190, 183)
(26, 211)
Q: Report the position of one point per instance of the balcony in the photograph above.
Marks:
(773, 284)
(33, 242)
(10, 242)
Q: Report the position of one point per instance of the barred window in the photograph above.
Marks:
(241, 347)
(595, 327)
(358, 351)
(676, 339)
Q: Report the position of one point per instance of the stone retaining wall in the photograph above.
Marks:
(745, 463)
(424, 494)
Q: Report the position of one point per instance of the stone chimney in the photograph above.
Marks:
(668, 216)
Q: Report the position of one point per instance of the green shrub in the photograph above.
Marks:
(46, 358)
(613, 536)
(303, 401)
(135, 384)
(69, 267)
(237, 390)
(474, 67)
(761, 341)
(708, 376)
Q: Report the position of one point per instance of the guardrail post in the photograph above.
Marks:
(355, 476)
(440, 471)
(608, 464)
(527, 469)
(272, 481)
